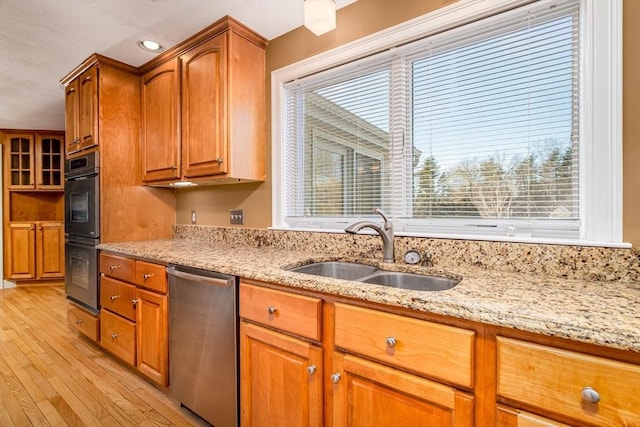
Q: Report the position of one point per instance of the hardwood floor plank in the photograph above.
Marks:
(52, 376)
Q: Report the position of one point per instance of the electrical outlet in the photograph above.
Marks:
(236, 216)
(194, 218)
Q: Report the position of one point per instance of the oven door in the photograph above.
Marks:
(81, 277)
(82, 209)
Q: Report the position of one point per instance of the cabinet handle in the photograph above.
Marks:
(220, 160)
(71, 90)
(114, 297)
(147, 275)
(271, 310)
(391, 342)
(590, 395)
(114, 267)
(86, 79)
(116, 335)
(79, 321)
(311, 369)
(135, 301)
(335, 378)
(174, 167)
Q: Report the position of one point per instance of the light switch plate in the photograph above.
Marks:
(236, 216)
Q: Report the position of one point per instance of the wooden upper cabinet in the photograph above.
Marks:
(34, 161)
(81, 111)
(160, 123)
(88, 108)
(71, 116)
(203, 99)
(49, 162)
(215, 92)
(20, 161)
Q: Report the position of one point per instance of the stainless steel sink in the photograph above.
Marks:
(369, 274)
(416, 282)
(337, 270)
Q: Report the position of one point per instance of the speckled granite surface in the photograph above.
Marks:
(571, 262)
(603, 313)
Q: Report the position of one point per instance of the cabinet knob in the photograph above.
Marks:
(220, 160)
(114, 267)
(71, 90)
(114, 297)
(335, 378)
(271, 310)
(174, 167)
(590, 395)
(86, 79)
(79, 321)
(391, 342)
(147, 276)
(311, 369)
(135, 301)
(116, 335)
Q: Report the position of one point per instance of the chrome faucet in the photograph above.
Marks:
(386, 232)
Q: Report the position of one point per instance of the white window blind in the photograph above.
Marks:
(470, 131)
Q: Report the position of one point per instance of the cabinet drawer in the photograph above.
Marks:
(151, 276)
(116, 266)
(554, 379)
(117, 296)
(118, 336)
(438, 351)
(84, 322)
(293, 313)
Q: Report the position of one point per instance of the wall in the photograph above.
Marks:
(365, 17)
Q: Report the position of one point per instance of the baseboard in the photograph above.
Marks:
(7, 284)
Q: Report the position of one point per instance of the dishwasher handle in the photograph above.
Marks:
(173, 271)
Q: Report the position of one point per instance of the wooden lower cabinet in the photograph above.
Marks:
(566, 384)
(140, 311)
(84, 322)
(281, 379)
(36, 250)
(509, 417)
(152, 340)
(366, 393)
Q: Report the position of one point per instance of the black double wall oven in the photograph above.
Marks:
(82, 230)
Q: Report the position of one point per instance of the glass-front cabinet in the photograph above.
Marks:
(35, 162)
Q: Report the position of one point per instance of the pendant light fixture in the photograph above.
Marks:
(320, 16)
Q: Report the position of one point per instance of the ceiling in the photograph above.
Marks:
(43, 40)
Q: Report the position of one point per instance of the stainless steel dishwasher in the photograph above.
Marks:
(203, 343)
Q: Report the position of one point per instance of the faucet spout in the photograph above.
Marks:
(385, 232)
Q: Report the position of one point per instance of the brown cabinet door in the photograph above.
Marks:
(88, 109)
(20, 161)
(204, 124)
(71, 116)
(281, 379)
(366, 393)
(49, 162)
(160, 123)
(50, 249)
(152, 341)
(22, 252)
(510, 417)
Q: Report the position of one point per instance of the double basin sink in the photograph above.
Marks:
(370, 274)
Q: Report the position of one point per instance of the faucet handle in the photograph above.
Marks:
(387, 223)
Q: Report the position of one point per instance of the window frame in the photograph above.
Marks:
(600, 109)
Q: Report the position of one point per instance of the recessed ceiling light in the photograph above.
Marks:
(150, 46)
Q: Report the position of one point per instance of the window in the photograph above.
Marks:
(477, 130)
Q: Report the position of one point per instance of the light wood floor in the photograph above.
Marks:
(51, 376)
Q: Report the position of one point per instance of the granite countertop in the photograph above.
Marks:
(602, 313)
